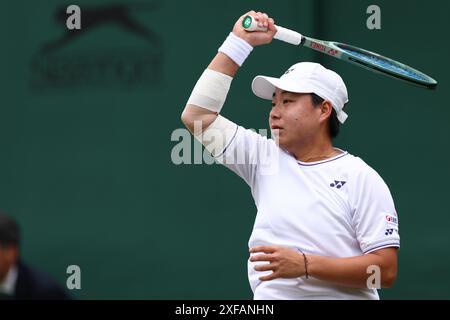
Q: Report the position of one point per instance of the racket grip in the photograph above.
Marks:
(250, 24)
(288, 36)
(283, 34)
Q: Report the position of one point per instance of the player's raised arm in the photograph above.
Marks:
(210, 92)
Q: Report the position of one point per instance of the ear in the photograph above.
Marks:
(325, 111)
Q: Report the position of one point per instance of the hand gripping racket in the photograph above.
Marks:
(363, 58)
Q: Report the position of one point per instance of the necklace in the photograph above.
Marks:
(318, 158)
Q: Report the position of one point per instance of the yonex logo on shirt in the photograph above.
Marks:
(338, 184)
(389, 232)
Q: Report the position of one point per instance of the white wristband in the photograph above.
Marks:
(236, 49)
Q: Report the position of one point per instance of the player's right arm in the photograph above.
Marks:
(204, 112)
(197, 113)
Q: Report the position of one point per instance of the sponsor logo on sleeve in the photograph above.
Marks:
(389, 232)
(391, 220)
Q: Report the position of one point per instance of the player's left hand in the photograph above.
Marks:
(285, 262)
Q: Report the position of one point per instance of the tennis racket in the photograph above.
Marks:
(363, 58)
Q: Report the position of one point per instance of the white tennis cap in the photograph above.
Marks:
(306, 77)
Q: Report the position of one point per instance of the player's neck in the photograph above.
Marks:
(313, 151)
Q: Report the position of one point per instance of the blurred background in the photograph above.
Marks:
(86, 119)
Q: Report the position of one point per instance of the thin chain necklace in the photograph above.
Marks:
(334, 153)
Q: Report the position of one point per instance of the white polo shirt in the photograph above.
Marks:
(339, 207)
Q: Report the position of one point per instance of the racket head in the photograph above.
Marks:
(380, 64)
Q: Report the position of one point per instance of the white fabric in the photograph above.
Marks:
(9, 283)
(339, 207)
(211, 90)
(236, 49)
(220, 132)
(306, 77)
(288, 36)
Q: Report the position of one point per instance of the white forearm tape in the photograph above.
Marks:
(217, 136)
(237, 49)
(211, 90)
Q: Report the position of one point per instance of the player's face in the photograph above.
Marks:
(293, 118)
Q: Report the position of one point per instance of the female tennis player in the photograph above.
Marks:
(326, 225)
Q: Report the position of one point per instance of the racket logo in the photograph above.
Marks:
(332, 52)
(247, 22)
(319, 46)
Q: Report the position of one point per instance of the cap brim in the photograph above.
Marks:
(264, 87)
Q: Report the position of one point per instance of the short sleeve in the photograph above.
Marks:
(244, 151)
(374, 216)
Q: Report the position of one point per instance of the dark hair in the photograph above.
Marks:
(9, 231)
(333, 122)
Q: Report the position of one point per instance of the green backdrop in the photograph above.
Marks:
(85, 140)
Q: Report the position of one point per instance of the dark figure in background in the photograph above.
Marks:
(19, 281)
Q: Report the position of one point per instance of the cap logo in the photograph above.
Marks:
(290, 70)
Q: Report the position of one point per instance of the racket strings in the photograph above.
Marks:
(385, 64)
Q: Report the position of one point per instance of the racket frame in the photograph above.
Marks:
(339, 51)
